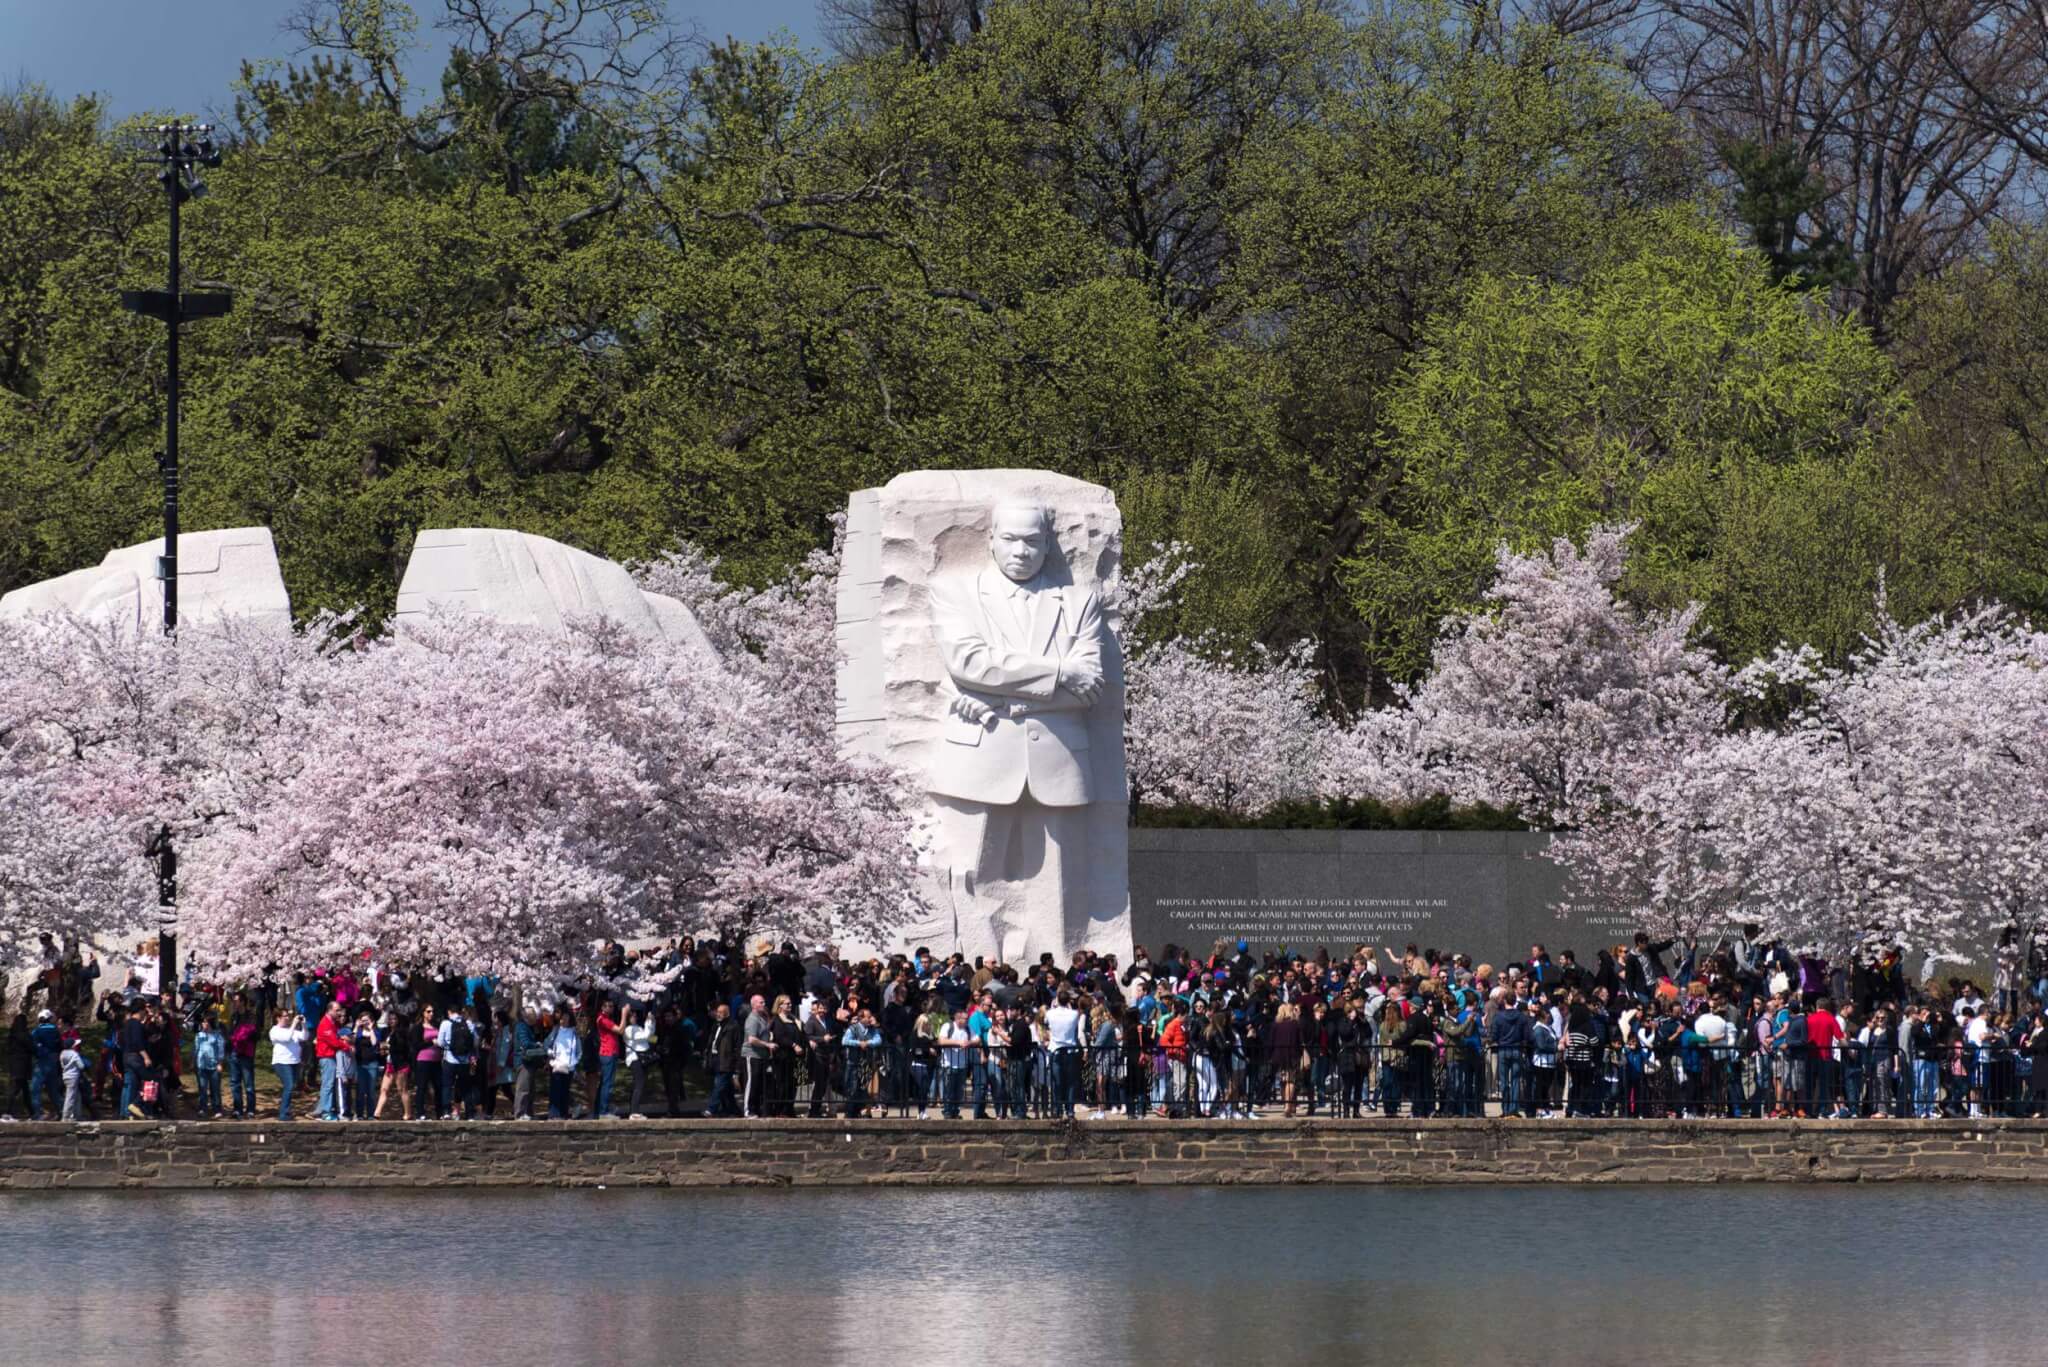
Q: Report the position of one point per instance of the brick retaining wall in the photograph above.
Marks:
(138, 1154)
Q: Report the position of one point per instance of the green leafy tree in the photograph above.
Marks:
(1681, 389)
(1333, 298)
(1444, 148)
(1973, 346)
(78, 390)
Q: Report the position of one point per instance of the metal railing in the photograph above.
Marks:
(1429, 1078)
(1850, 1080)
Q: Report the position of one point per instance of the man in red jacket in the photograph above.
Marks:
(1823, 1033)
(329, 1040)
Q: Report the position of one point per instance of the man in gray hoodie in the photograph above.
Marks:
(756, 1043)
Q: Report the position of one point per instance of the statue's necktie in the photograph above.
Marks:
(1020, 615)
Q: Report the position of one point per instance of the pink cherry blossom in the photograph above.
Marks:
(1553, 694)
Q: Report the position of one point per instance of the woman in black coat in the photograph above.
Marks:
(20, 1064)
(788, 1034)
(1285, 1046)
(1352, 1039)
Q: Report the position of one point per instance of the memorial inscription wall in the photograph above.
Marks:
(1490, 894)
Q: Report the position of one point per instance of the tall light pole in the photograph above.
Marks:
(182, 148)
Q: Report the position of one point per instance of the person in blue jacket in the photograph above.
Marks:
(46, 1045)
(1511, 1036)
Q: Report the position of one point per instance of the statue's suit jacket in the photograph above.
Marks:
(991, 657)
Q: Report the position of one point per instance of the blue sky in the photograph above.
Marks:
(149, 55)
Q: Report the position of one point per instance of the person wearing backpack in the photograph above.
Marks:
(1789, 1040)
(458, 1064)
(1420, 1043)
(1666, 1030)
(530, 1049)
(1460, 1029)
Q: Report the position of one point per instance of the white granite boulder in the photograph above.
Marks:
(221, 574)
(533, 581)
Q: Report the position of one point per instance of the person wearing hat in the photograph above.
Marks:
(1219, 989)
(72, 1062)
(46, 1044)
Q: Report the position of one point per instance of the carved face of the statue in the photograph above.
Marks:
(1018, 539)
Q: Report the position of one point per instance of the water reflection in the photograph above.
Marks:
(1423, 1275)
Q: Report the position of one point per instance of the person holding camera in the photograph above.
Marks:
(565, 1053)
(287, 1052)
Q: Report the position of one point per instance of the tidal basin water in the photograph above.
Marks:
(1815, 1275)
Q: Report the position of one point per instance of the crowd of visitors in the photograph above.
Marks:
(1655, 1028)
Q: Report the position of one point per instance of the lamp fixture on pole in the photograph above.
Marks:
(181, 150)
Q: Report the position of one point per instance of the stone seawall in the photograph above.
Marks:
(721, 1153)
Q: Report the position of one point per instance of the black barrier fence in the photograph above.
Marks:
(1849, 1081)
(1197, 1079)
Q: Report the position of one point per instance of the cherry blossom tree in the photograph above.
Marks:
(782, 636)
(1602, 722)
(79, 797)
(1998, 708)
(1233, 732)
(1551, 696)
(432, 801)
(1379, 753)
(780, 649)
(1912, 810)
(463, 792)
(1658, 851)
(1206, 725)
(1900, 803)
(1149, 588)
(483, 795)
(72, 869)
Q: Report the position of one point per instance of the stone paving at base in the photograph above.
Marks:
(160, 1155)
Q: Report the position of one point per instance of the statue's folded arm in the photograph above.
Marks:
(975, 663)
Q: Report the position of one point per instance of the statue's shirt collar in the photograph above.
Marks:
(1002, 586)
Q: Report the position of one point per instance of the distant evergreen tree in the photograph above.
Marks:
(1780, 203)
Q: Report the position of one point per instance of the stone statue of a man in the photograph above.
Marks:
(1024, 653)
